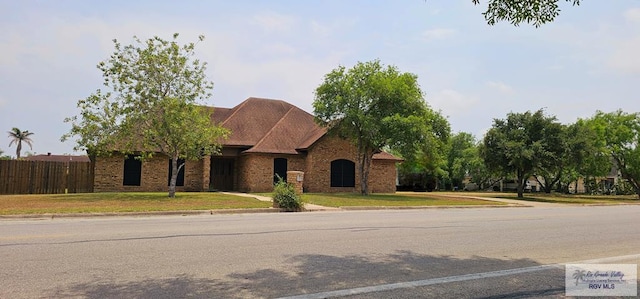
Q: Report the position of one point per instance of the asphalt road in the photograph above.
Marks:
(431, 253)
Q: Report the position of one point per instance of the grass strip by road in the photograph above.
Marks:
(122, 202)
(559, 197)
(392, 200)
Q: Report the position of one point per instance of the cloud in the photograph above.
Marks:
(632, 14)
(625, 58)
(297, 77)
(555, 67)
(272, 22)
(624, 55)
(500, 86)
(319, 29)
(438, 33)
(452, 102)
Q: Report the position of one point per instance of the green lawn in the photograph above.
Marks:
(392, 200)
(122, 202)
(154, 202)
(576, 199)
(558, 197)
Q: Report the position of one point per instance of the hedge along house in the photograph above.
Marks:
(268, 138)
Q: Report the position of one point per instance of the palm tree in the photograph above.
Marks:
(579, 275)
(18, 137)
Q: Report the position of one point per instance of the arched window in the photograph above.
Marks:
(343, 173)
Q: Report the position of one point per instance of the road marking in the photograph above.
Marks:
(457, 278)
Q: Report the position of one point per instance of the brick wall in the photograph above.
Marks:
(317, 179)
(296, 178)
(382, 177)
(205, 175)
(109, 174)
(255, 171)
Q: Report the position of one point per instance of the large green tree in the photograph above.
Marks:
(553, 167)
(585, 156)
(426, 166)
(18, 136)
(376, 107)
(462, 152)
(483, 176)
(536, 12)
(154, 88)
(621, 134)
(522, 144)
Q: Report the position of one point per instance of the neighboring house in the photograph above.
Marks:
(605, 184)
(268, 138)
(57, 158)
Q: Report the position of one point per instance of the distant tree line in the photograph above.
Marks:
(534, 144)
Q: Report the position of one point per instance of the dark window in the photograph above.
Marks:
(279, 169)
(180, 180)
(132, 171)
(343, 173)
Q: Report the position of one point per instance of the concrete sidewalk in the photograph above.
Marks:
(511, 202)
(307, 206)
(524, 203)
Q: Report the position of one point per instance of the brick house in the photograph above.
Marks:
(268, 138)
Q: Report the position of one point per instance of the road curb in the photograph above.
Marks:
(356, 208)
(141, 214)
(256, 211)
(243, 211)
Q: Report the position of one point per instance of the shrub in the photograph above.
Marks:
(285, 197)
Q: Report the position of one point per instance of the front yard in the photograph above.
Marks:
(122, 202)
(560, 198)
(125, 202)
(400, 199)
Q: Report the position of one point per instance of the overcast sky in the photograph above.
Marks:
(586, 60)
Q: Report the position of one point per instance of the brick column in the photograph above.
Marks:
(296, 178)
(206, 168)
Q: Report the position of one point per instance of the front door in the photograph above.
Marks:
(221, 174)
(279, 169)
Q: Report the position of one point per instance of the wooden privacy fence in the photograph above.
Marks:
(45, 177)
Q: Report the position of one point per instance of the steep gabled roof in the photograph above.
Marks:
(272, 126)
(267, 126)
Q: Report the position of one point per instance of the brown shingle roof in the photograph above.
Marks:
(272, 126)
(266, 125)
(386, 156)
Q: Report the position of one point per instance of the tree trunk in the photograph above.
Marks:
(18, 149)
(548, 186)
(520, 187)
(365, 166)
(632, 180)
(636, 185)
(549, 182)
(174, 176)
